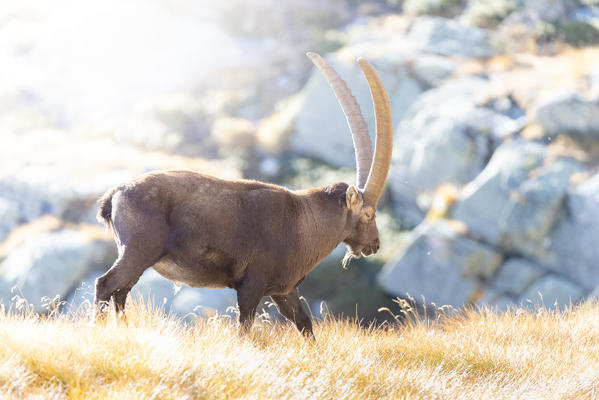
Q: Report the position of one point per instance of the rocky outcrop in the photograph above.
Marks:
(325, 135)
(449, 38)
(154, 289)
(9, 217)
(522, 209)
(446, 126)
(514, 202)
(50, 264)
(574, 249)
(569, 114)
(440, 266)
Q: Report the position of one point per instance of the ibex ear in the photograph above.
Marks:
(353, 198)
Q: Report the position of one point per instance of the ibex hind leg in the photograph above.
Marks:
(119, 279)
(140, 247)
(249, 293)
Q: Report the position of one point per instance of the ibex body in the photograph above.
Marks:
(258, 238)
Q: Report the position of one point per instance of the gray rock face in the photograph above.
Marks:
(325, 135)
(574, 239)
(440, 265)
(203, 301)
(9, 217)
(41, 190)
(515, 275)
(553, 290)
(508, 205)
(152, 287)
(444, 125)
(569, 114)
(50, 264)
(81, 299)
(449, 38)
(432, 69)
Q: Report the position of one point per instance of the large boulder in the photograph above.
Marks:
(516, 275)
(50, 264)
(440, 266)
(204, 301)
(9, 217)
(553, 290)
(320, 128)
(175, 123)
(432, 70)
(57, 181)
(574, 247)
(449, 38)
(445, 124)
(81, 298)
(159, 291)
(446, 8)
(569, 114)
(515, 201)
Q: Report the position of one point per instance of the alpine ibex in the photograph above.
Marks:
(258, 238)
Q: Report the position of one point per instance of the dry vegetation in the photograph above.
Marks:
(481, 355)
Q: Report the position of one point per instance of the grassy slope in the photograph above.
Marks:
(519, 355)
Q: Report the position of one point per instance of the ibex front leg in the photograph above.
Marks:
(291, 307)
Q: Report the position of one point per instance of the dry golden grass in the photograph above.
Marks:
(480, 355)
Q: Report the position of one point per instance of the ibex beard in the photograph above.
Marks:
(257, 238)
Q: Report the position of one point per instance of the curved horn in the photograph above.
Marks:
(384, 135)
(353, 114)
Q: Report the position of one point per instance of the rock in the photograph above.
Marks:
(155, 289)
(515, 275)
(269, 167)
(535, 24)
(449, 38)
(159, 291)
(496, 301)
(446, 8)
(81, 299)
(542, 10)
(574, 239)
(442, 124)
(50, 264)
(507, 206)
(57, 180)
(203, 301)
(589, 15)
(175, 123)
(441, 266)
(432, 70)
(488, 13)
(325, 135)
(9, 217)
(569, 114)
(593, 79)
(553, 290)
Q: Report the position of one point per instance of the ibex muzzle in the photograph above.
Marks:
(258, 238)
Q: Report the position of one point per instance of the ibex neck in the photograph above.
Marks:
(323, 221)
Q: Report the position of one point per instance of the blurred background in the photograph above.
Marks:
(493, 194)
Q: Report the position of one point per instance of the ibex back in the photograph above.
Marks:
(258, 238)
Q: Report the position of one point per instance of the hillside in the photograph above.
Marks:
(514, 355)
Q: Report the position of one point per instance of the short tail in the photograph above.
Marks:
(104, 215)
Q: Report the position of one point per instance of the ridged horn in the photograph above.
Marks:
(384, 135)
(353, 115)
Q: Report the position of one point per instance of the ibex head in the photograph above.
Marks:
(362, 199)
